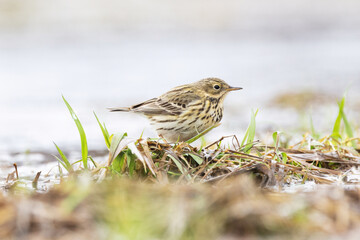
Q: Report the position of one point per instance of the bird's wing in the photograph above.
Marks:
(156, 106)
(171, 103)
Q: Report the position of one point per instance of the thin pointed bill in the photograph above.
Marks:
(233, 88)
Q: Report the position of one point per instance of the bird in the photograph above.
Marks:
(185, 111)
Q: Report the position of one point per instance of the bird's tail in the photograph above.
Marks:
(119, 109)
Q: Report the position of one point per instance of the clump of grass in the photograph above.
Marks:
(63, 160)
(156, 160)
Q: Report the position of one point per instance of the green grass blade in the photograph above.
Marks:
(131, 158)
(84, 147)
(191, 140)
(118, 163)
(177, 163)
(197, 159)
(93, 162)
(245, 137)
(142, 133)
(76, 162)
(60, 169)
(348, 129)
(104, 132)
(64, 161)
(251, 131)
(116, 147)
(337, 125)
(203, 143)
(275, 138)
(61, 162)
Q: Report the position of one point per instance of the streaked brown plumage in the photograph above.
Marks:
(185, 111)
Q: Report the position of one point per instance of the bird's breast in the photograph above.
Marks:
(191, 122)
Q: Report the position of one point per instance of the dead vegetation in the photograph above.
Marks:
(161, 162)
(153, 189)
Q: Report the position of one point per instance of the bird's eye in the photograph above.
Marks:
(217, 87)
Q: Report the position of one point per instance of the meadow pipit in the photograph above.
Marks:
(185, 111)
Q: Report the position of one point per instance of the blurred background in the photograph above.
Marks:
(294, 59)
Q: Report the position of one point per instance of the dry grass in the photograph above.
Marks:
(119, 208)
(155, 161)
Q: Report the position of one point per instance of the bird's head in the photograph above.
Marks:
(215, 87)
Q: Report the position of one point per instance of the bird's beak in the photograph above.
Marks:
(233, 88)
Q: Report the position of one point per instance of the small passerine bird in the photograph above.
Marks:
(185, 111)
